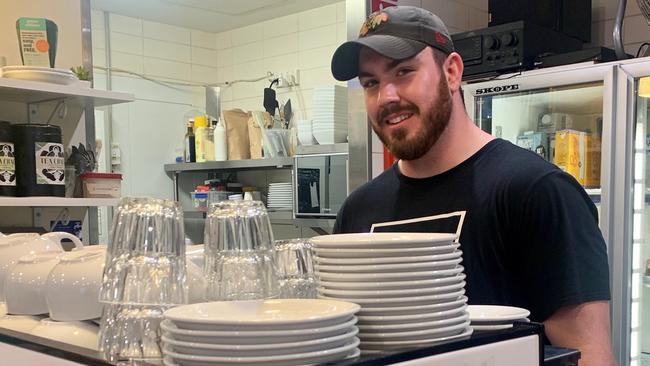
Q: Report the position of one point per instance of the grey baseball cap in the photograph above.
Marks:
(397, 32)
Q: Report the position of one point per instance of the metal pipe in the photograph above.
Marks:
(618, 31)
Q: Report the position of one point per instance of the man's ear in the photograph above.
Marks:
(454, 67)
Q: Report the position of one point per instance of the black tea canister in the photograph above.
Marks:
(40, 163)
(7, 161)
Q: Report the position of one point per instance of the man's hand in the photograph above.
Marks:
(585, 327)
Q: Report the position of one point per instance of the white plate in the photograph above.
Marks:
(396, 276)
(383, 240)
(168, 361)
(255, 337)
(41, 76)
(381, 294)
(434, 324)
(417, 334)
(405, 301)
(393, 285)
(490, 328)
(495, 313)
(393, 267)
(263, 349)
(386, 260)
(261, 314)
(413, 309)
(371, 345)
(383, 252)
(291, 359)
(410, 318)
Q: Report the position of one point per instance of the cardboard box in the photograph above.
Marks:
(536, 142)
(592, 163)
(571, 153)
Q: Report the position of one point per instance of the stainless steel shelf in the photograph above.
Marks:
(47, 342)
(276, 163)
(34, 91)
(322, 149)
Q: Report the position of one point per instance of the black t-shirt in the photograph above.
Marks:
(529, 237)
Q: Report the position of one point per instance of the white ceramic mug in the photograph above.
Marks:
(25, 283)
(14, 247)
(72, 289)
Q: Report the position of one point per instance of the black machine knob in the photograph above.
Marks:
(491, 43)
(508, 39)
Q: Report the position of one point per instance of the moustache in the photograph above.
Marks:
(394, 108)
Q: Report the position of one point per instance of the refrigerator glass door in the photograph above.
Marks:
(639, 270)
(562, 124)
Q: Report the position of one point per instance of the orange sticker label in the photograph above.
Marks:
(42, 45)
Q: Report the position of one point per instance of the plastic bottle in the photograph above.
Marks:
(190, 147)
(200, 132)
(209, 143)
(220, 142)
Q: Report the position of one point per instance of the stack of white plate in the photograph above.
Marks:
(305, 135)
(330, 114)
(42, 74)
(491, 318)
(260, 332)
(280, 196)
(410, 286)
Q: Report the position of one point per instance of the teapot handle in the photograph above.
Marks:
(58, 236)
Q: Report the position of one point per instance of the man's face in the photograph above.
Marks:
(408, 101)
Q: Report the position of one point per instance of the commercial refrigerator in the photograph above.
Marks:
(592, 121)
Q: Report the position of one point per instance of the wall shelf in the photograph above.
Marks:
(56, 202)
(26, 91)
(231, 165)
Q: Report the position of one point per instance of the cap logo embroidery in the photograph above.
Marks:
(440, 38)
(373, 21)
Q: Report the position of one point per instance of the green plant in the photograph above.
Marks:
(82, 73)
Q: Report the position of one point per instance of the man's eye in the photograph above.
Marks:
(368, 83)
(404, 71)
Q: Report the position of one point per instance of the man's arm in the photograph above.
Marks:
(585, 327)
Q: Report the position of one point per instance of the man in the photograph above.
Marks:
(529, 232)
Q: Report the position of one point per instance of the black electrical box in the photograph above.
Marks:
(570, 17)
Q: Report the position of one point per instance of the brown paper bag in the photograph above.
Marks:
(237, 134)
(255, 138)
(255, 135)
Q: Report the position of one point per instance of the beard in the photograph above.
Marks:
(434, 121)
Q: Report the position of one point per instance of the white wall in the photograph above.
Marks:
(303, 41)
(150, 130)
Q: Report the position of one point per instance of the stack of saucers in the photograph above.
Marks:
(493, 318)
(260, 332)
(410, 286)
(280, 196)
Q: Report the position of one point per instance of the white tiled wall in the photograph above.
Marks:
(150, 130)
(303, 41)
(635, 28)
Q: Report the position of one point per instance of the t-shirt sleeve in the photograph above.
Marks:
(561, 253)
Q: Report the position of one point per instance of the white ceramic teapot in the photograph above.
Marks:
(15, 246)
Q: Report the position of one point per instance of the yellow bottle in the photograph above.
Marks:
(200, 136)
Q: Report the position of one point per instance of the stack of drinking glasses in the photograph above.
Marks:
(239, 261)
(295, 269)
(144, 276)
